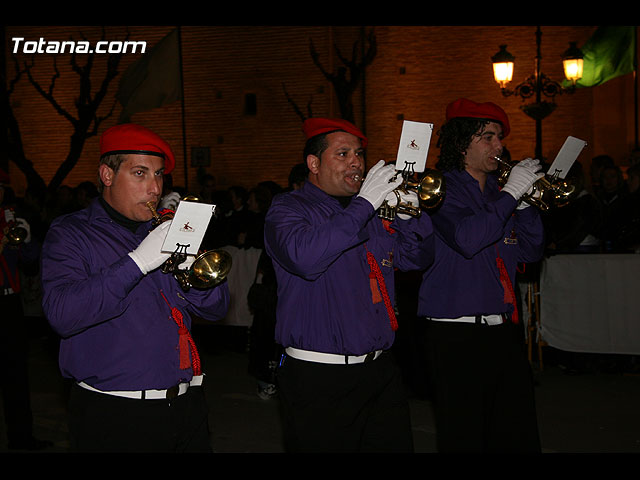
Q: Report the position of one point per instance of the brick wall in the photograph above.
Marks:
(417, 71)
(422, 69)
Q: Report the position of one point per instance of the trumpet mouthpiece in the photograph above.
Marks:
(151, 205)
(499, 160)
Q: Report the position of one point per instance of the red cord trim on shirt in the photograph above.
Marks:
(509, 293)
(376, 276)
(185, 341)
(14, 282)
(387, 226)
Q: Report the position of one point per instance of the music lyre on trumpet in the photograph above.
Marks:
(209, 268)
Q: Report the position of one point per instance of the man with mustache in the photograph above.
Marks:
(334, 259)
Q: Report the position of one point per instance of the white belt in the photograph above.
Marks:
(484, 320)
(332, 358)
(169, 393)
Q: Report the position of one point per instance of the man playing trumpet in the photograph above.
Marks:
(125, 326)
(334, 261)
(483, 385)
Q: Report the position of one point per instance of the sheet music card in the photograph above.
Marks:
(189, 225)
(414, 145)
(566, 156)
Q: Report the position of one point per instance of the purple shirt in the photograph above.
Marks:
(116, 327)
(471, 227)
(319, 251)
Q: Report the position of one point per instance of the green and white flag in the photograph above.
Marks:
(609, 53)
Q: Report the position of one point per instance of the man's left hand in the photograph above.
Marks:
(405, 198)
(170, 201)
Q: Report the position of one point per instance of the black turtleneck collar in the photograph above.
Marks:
(120, 219)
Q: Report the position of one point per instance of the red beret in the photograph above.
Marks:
(316, 126)
(134, 139)
(469, 109)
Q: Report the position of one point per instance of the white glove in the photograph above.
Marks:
(377, 184)
(170, 201)
(187, 263)
(522, 204)
(406, 198)
(148, 256)
(522, 177)
(21, 222)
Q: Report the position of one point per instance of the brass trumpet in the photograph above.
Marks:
(209, 269)
(430, 189)
(16, 235)
(548, 191)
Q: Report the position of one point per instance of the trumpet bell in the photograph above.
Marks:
(431, 189)
(16, 235)
(208, 270)
(564, 193)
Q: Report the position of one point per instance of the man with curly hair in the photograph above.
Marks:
(481, 379)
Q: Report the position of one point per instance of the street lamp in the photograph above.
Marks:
(503, 67)
(537, 84)
(572, 62)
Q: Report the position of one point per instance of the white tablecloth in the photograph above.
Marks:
(240, 279)
(591, 303)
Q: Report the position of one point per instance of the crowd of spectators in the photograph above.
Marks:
(604, 217)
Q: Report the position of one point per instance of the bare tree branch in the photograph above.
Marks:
(343, 84)
(15, 150)
(85, 125)
(295, 105)
(48, 94)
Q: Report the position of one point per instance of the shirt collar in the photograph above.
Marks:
(464, 177)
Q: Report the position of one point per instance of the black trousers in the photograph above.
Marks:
(106, 423)
(344, 408)
(483, 388)
(14, 374)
